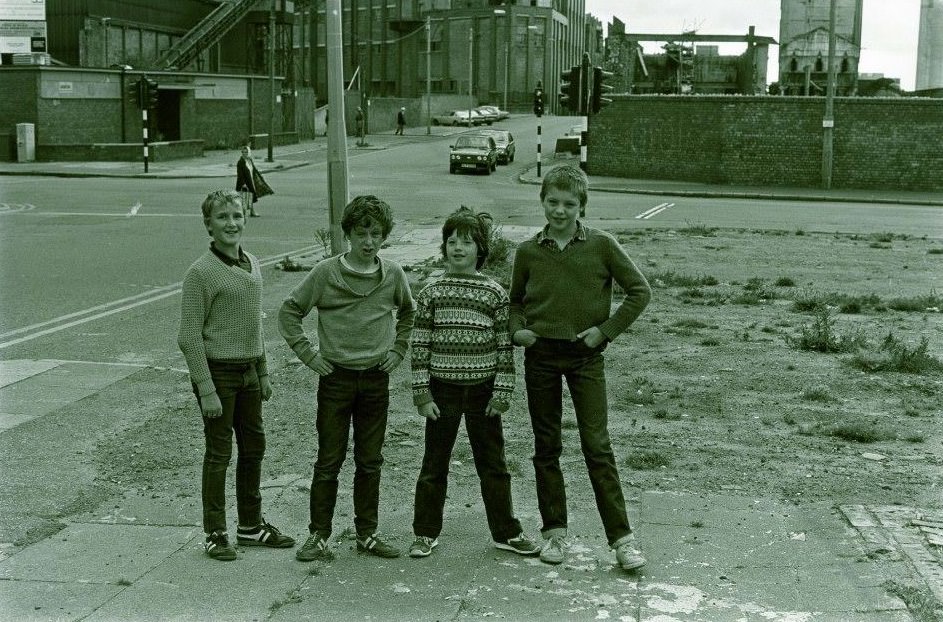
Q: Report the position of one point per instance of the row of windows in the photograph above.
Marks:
(819, 65)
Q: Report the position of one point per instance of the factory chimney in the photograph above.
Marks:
(930, 46)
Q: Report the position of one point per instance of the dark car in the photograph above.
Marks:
(473, 152)
(504, 141)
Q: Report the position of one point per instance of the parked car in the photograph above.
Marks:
(488, 116)
(502, 114)
(504, 141)
(473, 152)
(455, 117)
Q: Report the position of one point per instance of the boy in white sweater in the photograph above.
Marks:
(221, 339)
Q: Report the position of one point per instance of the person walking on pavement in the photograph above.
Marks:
(361, 137)
(463, 364)
(359, 344)
(249, 181)
(400, 121)
(561, 300)
(221, 339)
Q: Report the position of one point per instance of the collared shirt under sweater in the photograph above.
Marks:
(221, 316)
(559, 293)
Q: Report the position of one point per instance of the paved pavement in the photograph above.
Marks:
(712, 557)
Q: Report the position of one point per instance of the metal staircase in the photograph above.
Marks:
(205, 34)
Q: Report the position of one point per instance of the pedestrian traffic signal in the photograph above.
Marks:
(134, 93)
(149, 98)
(538, 102)
(600, 88)
(570, 90)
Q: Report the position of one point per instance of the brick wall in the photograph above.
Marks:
(878, 143)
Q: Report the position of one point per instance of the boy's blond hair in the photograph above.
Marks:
(568, 178)
(217, 198)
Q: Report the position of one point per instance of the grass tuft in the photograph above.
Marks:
(894, 355)
(647, 460)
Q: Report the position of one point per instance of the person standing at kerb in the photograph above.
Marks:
(400, 121)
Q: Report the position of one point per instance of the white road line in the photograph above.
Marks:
(150, 296)
(658, 209)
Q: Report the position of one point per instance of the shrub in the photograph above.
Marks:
(894, 355)
(818, 393)
(808, 300)
(820, 336)
(784, 281)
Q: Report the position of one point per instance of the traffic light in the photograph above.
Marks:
(134, 93)
(538, 102)
(600, 88)
(149, 93)
(570, 90)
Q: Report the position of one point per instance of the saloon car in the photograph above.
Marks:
(473, 152)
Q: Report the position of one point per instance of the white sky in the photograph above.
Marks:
(889, 28)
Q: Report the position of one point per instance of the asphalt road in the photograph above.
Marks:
(119, 247)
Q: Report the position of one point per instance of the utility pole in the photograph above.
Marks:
(828, 123)
(471, 64)
(428, 74)
(337, 131)
(271, 78)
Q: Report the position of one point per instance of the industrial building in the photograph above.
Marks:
(690, 63)
(803, 46)
(227, 71)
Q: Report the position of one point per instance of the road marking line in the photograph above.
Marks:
(170, 290)
(658, 209)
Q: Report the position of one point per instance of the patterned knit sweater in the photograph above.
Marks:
(461, 336)
(221, 317)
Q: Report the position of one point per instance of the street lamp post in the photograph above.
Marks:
(471, 65)
(271, 79)
(104, 22)
(428, 74)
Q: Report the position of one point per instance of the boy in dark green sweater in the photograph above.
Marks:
(561, 313)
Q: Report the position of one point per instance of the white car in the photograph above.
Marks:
(456, 117)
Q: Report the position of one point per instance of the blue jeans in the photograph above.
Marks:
(546, 363)
(486, 436)
(237, 385)
(346, 396)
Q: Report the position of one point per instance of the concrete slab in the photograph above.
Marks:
(20, 369)
(189, 586)
(42, 601)
(97, 553)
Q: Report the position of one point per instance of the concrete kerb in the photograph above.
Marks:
(615, 185)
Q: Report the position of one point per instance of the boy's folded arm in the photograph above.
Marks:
(290, 315)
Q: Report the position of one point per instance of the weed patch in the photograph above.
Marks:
(895, 355)
(647, 460)
(821, 336)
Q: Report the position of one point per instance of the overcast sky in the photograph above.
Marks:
(889, 28)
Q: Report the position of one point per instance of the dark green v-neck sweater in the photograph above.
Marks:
(560, 293)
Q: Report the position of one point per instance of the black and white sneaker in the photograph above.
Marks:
(264, 535)
(217, 546)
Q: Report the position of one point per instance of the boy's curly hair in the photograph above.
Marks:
(364, 210)
(219, 197)
(567, 178)
(464, 221)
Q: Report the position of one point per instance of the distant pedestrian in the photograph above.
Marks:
(358, 345)
(463, 364)
(361, 139)
(249, 182)
(221, 339)
(561, 300)
(400, 121)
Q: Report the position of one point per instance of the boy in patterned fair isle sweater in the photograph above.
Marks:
(221, 340)
(463, 363)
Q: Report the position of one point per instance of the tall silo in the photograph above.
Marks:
(930, 46)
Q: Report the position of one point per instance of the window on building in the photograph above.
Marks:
(794, 65)
(819, 65)
(845, 65)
